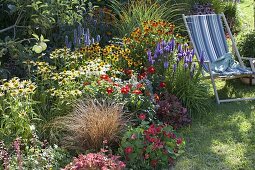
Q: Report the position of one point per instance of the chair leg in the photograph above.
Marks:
(215, 90)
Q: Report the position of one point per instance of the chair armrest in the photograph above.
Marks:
(248, 58)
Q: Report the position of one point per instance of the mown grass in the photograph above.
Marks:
(224, 137)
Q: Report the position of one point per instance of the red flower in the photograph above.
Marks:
(139, 85)
(146, 156)
(162, 84)
(109, 90)
(128, 72)
(86, 83)
(116, 84)
(156, 97)
(104, 77)
(98, 82)
(125, 90)
(142, 76)
(142, 116)
(151, 70)
(154, 163)
(128, 150)
(179, 141)
(137, 92)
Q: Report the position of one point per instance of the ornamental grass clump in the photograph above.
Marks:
(90, 123)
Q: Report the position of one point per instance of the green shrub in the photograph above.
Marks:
(232, 15)
(246, 45)
(151, 146)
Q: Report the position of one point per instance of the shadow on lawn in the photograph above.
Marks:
(223, 138)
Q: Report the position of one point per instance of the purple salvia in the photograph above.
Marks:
(92, 40)
(179, 48)
(79, 31)
(164, 43)
(86, 39)
(69, 45)
(78, 41)
(166, 64)
(66, 41)
(98, 38)
(177, 60)
(88, 33)
(192, 53)
(149, 55)
(186, 65)
(186, 46)
(74, 37)
(161, 52)
(167, 49)
(201, 58)
(82, 31)
(172, 44)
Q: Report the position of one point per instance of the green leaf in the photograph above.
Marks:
(41, 38)
(36, 36)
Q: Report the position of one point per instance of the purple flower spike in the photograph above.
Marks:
(161, 52)
(149, 55)
(167, 49)
(186, 65)
(166, 64)
(173, 44)
(179, 48)
(98, 38)
(201, 58)
(66, 41)
(75, 37)
(155, 56)
(180, 55)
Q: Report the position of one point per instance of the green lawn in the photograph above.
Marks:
(224, 137)
(246, 13)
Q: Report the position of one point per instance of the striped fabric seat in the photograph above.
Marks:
(207, 33)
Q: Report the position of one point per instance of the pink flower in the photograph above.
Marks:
(179, 141)
(128, 150)
(133, 136)
(154, 163)
(142, 116)
(146, 156)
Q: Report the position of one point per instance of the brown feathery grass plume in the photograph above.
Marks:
(91, 123)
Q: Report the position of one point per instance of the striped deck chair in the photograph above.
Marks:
(208, 39)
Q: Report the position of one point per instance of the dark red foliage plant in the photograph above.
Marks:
(171, 111)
